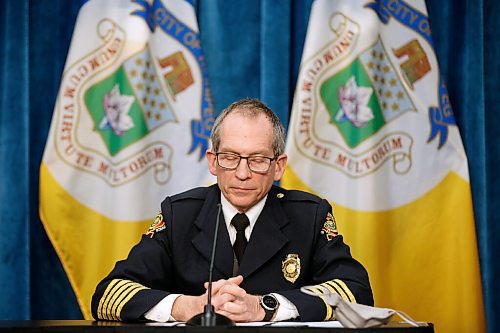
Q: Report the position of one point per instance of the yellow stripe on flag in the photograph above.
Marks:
(89, 249)
(421, 257)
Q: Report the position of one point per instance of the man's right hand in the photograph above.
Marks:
(185, 306)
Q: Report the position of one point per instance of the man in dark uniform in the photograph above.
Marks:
(271, 241)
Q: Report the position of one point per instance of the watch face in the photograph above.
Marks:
(269, 302)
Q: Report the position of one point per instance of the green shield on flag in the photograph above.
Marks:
(329, 92)
(365, 96)
(129, 103)
(94, 99)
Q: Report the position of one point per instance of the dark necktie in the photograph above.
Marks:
(240, 223)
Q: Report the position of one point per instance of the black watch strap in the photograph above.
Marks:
(270, 304)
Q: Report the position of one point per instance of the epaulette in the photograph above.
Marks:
(195, 193)
(297, 195)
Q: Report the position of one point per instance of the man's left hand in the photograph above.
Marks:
(236, 304)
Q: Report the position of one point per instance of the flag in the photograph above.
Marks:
(373, 131)
(131, 125)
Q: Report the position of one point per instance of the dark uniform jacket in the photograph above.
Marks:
(294, 243)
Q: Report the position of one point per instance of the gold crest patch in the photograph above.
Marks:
(157, 225)
(290, 266)
(330, 227)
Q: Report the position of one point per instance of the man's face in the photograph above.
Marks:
(246, 136)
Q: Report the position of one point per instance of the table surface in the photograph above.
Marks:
(105, 326)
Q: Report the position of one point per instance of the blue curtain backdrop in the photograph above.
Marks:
(252, 48)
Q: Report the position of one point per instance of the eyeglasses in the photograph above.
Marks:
(230, 161)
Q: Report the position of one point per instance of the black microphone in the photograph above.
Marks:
(208, 318)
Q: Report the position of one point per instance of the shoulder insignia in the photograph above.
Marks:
(157, 225)
(329, 228)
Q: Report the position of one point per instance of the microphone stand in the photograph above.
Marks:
(208, 318)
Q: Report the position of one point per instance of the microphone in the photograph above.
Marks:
(208, 318)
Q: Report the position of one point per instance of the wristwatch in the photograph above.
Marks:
(270, 304)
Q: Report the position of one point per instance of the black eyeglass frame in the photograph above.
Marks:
(248, 158)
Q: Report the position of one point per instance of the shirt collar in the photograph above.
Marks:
(253, 213)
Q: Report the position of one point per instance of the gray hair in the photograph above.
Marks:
(251, 107)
